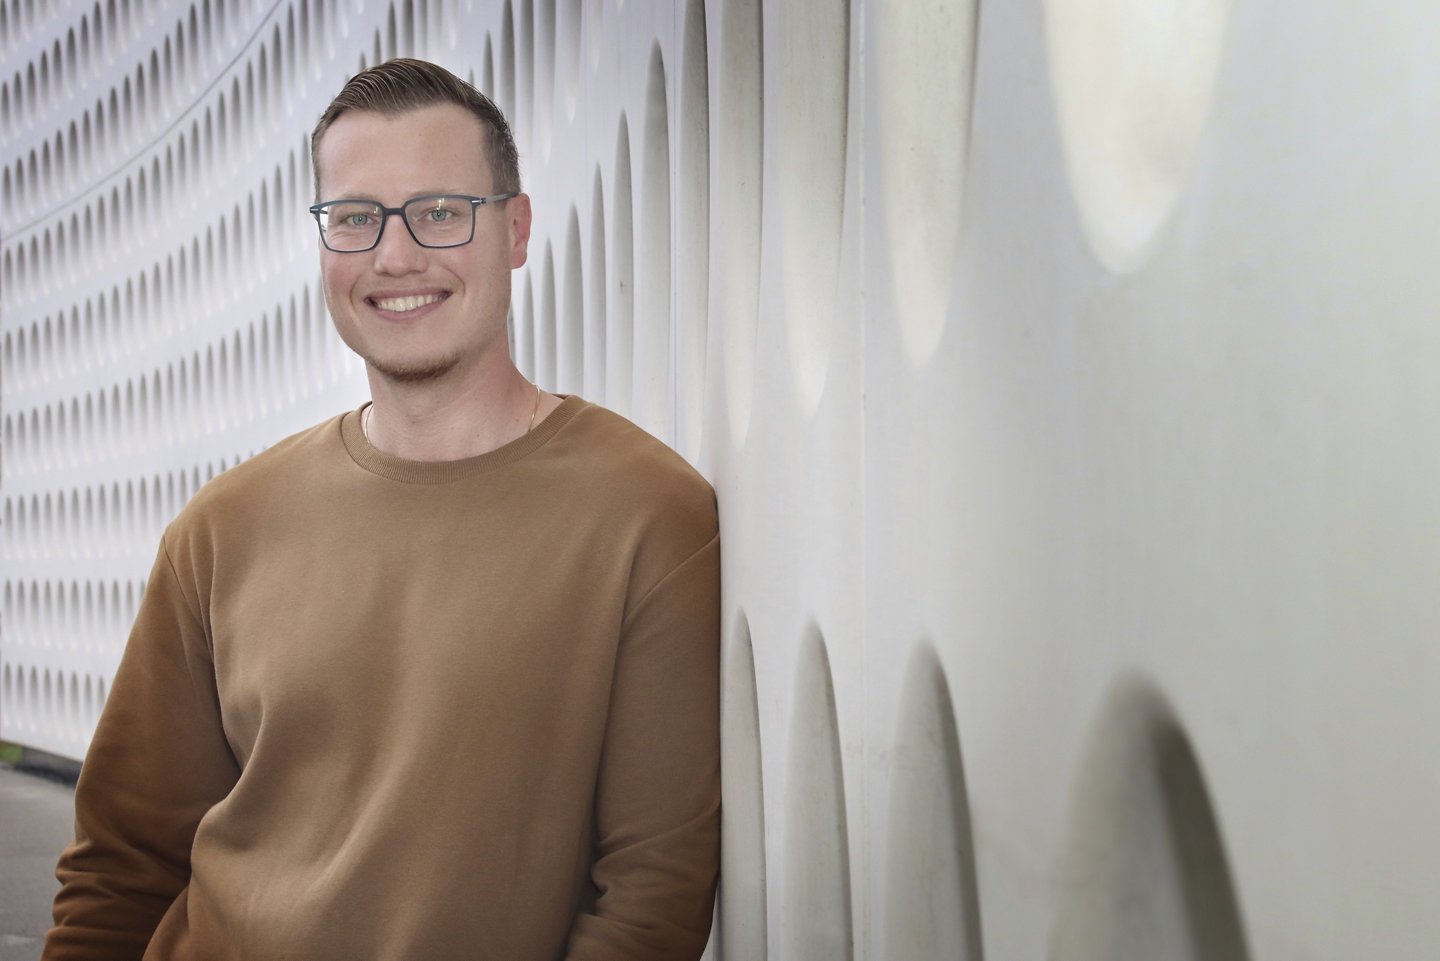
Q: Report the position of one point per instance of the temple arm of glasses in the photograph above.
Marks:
(494, 198)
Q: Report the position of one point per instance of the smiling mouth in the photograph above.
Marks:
(403, 304)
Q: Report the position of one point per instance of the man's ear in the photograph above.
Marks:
(517, 209)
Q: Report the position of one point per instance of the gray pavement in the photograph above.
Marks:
(36, 822)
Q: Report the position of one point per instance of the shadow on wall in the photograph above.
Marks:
(742, 928)
(816, 909)
(933, 907)
(1145, 873)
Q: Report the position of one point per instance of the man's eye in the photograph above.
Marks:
(440, 215)
(360, 219)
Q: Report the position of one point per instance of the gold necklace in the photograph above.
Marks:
(365, 417)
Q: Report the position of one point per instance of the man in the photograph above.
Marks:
(433, 679)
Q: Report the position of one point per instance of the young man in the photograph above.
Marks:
(434, 679)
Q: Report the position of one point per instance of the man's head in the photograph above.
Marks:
(398, 86)
(421, 304)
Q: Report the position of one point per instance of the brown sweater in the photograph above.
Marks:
(382, 709)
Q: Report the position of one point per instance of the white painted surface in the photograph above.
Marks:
(1041, 354)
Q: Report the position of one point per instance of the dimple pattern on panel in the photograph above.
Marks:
(811, 115)
(816, 910)
(525, 358)
(1133, 81)
(570, 374)
(506, 81)
(524, 114)
(595, 317)
(545, 67)
(487, 71)
(923, 72)
(651, 407)
(620, 303)
(595, 22)
(742, 925)
(692, 219)
(569, 17)
(736, 199)
(1145, 874)
(932, 906)
(546, 319)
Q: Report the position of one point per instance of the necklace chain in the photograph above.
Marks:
(365, 417)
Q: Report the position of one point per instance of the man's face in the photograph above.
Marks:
(415, 313)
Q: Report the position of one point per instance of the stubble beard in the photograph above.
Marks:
(413, 373)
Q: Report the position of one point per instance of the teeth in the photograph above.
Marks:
(402, 304)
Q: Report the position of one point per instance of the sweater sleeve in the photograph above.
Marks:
(158, 761)
(657, 799)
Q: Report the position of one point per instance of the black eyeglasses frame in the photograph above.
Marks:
(387, 212)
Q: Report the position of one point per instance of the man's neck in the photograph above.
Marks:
(440, 421)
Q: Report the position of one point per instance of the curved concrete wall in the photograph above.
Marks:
(1066, 371)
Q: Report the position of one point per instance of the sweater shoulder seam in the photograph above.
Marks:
(640, 604)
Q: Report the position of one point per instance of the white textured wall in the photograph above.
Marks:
(1067, 370)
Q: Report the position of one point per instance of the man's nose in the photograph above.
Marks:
(397, 252)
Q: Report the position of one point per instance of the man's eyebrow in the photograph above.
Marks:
(427, 192)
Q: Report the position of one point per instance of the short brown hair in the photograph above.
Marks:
(400, 85)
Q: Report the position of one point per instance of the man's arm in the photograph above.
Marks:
(157, 763)
(657, 798)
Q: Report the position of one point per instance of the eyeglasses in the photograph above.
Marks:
(354, 226)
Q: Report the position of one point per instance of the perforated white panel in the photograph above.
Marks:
(162, 313)
(1066, 371)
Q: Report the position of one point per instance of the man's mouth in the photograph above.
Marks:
(403, 304)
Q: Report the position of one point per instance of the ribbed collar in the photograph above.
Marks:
(446, 471)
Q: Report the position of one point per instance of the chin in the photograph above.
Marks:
(414, 372)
